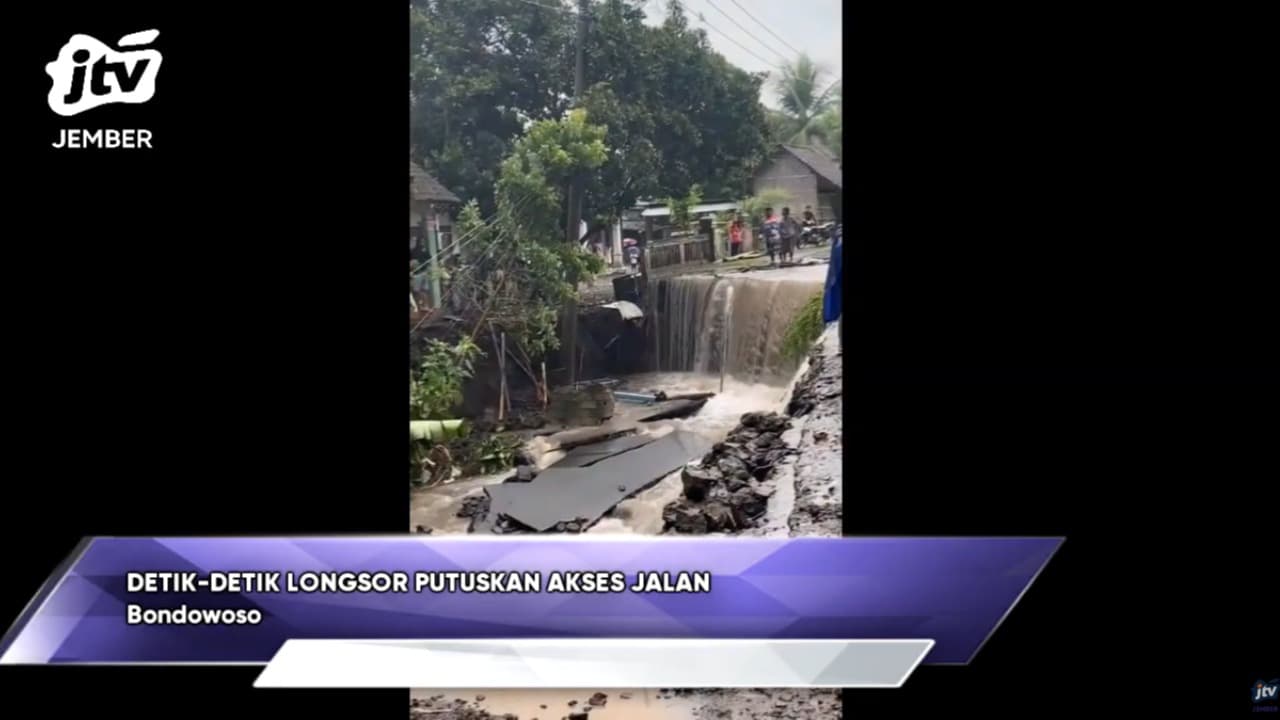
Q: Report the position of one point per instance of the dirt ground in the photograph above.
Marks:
(626, 705)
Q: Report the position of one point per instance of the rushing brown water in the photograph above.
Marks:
(705, 323)
(732, 323)
(736, 323)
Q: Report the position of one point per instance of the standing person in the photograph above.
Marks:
(808, 218)
(770, 232)
(633, 254)
(833, 298)
(790, 231)
(735, 236)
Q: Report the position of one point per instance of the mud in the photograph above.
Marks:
(626, 705)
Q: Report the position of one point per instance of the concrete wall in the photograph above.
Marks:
(789, 175)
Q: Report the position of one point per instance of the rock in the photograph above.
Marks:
(598, 699)
(423, 530)
(479, 698)
(474, 506)
(720, 517)
(624, 696)
(748, 506)
(573, 703)
(697, 481)
(766, 440)
(820, 436)
(526, 473)
(685, 518)
(732, 467)
(578, 716)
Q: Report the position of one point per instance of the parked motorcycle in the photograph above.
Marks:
(816, 234)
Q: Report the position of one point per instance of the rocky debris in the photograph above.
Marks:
(586, 405)
(474, 506)
(820, 384)
(578, 716)
(438, 708)
(729, 489)
(524, 474)
(598, 699)
(624, 696)
(423, 530)
(784, 704)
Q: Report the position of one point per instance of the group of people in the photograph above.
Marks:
(781, 234)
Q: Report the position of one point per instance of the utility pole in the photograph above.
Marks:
(575, 196)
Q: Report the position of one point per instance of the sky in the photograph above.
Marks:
(812, 26)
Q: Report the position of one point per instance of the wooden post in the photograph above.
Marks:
(546, 391)
(504, 402)
(648, 244)
(432, 232)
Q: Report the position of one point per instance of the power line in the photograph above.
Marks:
(766, 27)
(732, 39)
(458, 276)
(745, 30)
(474, 232)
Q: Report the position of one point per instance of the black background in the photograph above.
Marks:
(1059, 306)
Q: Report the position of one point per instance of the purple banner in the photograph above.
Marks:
(952, 590)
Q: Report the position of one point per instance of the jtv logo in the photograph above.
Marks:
(89, 73)
(1266, 691)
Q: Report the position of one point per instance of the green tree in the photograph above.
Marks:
(753, 208)
(677, 113)
(518, 270)
(478, 73)
(829, 126)
(435, 389)
(804, 94)
(682, 208)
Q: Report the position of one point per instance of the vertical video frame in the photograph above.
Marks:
(624, 255)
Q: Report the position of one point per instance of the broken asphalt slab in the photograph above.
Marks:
(582, 495)
(587, 455)
(676, 409)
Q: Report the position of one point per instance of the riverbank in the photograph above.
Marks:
(776, 474)
(817, 412)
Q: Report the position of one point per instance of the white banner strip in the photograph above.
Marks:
(593, 663)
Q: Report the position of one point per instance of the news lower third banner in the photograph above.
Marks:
(580, 612)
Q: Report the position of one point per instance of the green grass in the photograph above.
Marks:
(805, 329)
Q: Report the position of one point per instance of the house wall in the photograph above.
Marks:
(791, 176)
(420, 211)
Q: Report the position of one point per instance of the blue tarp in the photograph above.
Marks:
(834, 298)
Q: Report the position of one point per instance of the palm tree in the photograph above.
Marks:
(804, 96)
(829, 126)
